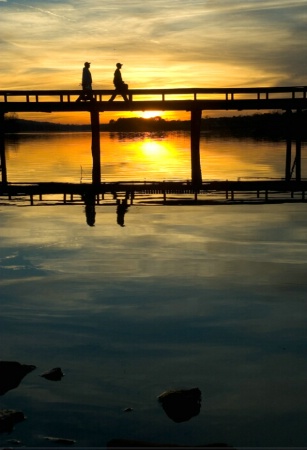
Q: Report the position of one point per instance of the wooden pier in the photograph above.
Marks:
(151, 192)
(292, 100)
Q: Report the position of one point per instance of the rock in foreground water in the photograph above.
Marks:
(55, 374)
(60, 440)
(128, 443)
(8, 418)
(11, 374)
(181, 405)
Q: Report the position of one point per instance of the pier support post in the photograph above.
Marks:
(288, 160)
(298, 139)
(2, 150)
(96, 172)
(289, 145)
(195, 143)
(298, 159)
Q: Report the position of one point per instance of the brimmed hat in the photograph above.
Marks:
(87, 63)
(118, 65)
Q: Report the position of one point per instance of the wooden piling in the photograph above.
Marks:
(288, 162)
(96, 172)
(195, 144)
(2, 150)
(288, 159)
(298, 159)
(298, 142)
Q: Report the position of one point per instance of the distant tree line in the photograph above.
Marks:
(15, 125)
(153, 124)
(267, 125)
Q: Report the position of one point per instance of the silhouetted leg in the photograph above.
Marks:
(90, 98)
(85, 96)
(123, 93)
(88, 95)
(125, 97)
(113, 96)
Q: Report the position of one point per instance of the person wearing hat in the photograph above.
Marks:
(86, 83)
(121, 87)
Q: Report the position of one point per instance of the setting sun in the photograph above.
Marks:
(151, 114)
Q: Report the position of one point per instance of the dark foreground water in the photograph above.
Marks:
(212, 297)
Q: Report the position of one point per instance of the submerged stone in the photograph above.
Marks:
(14, 441)
(128, 409)
(8, 418)
(55, 374)
(60, 440)
(181, 405)
(11, 374)
(129, 443)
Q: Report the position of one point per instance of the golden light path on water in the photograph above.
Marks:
(159, 156)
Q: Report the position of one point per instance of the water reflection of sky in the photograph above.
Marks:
(66, 157)
(207, 296)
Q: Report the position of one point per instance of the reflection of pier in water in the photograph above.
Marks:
(290, 99)
(230, 192)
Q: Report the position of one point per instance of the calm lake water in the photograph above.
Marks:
(142, 156)
(208, 296)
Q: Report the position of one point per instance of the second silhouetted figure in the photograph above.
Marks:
(86, 83)
(121, 88)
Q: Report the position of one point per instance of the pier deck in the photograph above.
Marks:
(231, 192)
(181, 99)
(195, 100)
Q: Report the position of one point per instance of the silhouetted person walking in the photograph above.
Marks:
(86, 83)
(121, 88)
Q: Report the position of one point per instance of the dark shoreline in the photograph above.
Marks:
(258, 126)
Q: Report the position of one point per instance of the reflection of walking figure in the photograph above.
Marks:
(121, 88)
(86, 83)
(122, 208)
(90, 212)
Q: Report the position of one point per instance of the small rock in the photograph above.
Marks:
(14, 441)
(59, 440)
(128, 409)
(11, 374)
(181, 405)
(9, 418)
(55, 374)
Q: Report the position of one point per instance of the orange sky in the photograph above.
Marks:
(200, 43)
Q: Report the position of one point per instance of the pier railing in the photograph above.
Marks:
(195, 94)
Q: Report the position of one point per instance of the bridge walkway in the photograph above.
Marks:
(180, 99)
(195, 100)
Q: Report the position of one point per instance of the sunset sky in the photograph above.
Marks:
(161, 43)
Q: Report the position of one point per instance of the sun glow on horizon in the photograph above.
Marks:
(151, 114)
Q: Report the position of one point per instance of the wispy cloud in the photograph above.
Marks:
(43, 11)
(196, 43)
